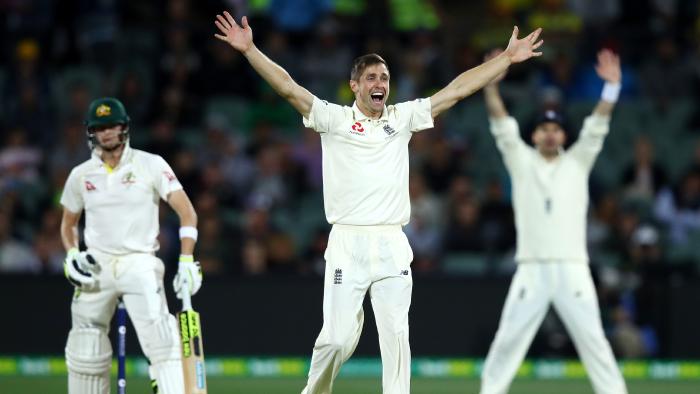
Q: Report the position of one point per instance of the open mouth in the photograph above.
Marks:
(377, 97)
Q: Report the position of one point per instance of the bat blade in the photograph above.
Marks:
(192, 352)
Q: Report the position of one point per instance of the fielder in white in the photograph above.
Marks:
(119, 189)
(365, 187)
(550, 200)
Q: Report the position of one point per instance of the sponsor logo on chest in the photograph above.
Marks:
(359, 129)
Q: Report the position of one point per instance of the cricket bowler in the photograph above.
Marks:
(550, 201)
(119, 189)
(365, 188)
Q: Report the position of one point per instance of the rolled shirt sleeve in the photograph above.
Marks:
(71, 198)
(418, 113)
(165, 181)
(324, 116)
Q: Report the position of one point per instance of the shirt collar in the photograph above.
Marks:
(358, 115)
(126, 155)
(560, 154)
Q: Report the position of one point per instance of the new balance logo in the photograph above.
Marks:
(404, 272)
(338, 277)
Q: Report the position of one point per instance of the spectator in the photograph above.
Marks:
(679, 208)
(643, 178)
(16, 256)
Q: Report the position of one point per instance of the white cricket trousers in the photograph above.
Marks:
(569, 287)
(361, 258)
(138, 279)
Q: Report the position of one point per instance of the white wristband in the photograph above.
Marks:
(188, 232)
(611, 92)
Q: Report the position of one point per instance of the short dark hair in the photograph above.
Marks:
(361, 63)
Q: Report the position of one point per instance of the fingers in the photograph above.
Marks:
(538, 44)
(230, 19)
(223, 22)
(535, 34)
(244, 22)
(220, 26)
(515, 33)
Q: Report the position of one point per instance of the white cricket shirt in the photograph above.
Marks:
(550, 198)
(121, 204)
(365, 161)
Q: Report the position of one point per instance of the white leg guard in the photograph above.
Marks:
(161, 344)
(169, 377)
(88, 358)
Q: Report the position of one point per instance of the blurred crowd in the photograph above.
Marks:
(254, 173)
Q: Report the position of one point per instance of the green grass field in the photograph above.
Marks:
(50, 385)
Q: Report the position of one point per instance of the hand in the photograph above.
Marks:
(188, 277)
(239, 38)
(523, 49)
(500, 76)
(79, 268)
(608, 67)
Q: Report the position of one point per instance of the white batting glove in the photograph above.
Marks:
(79, 268)
(189, 276)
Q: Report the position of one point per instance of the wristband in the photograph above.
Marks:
(611, 92)
(188, 232)
(186, 258)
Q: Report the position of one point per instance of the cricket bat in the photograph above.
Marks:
(192, 350)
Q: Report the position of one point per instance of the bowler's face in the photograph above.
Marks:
(549, 138)
(372, 89)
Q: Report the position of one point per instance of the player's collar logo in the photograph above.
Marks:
(103, 110)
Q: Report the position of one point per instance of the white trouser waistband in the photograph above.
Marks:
(382, 228)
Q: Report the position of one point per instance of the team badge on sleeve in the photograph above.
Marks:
(170, 176)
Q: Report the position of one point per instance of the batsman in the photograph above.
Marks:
(119, 189)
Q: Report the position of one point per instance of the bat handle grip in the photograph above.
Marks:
(186, 299)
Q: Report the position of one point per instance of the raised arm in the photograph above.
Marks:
(597, 126)
(241, 39)
(494, 102)
(608, 69)
(468, 82)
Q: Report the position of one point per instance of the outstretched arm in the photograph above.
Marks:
(494, 102)
(597, 126)
(608, 69)
(468, 82)
(241, 39)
